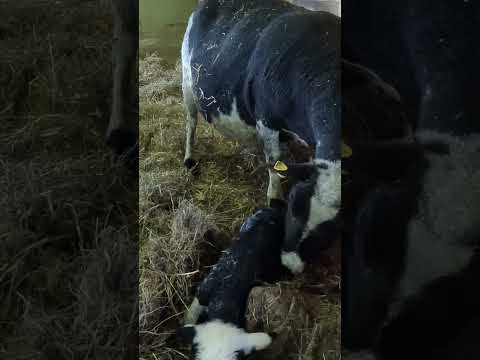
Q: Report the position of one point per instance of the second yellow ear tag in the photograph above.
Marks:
(346, 151)
(280, 166)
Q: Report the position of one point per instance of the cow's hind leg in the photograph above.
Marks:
(191, 126)
(271, 148)
(121, 133)
(194, 312)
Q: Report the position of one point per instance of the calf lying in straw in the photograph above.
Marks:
(215, 321)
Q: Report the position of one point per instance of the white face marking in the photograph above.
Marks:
(449, 207)
(194, 312)
(292, 261)
(325, 203)
(233, 127)
(217, 340)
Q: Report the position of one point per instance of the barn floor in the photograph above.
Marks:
(64, 202)
(186, 221)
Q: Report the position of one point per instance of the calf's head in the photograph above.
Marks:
(217, 340)
(313, 205)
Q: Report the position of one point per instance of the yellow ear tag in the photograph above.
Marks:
(280, 166)
(346, 151)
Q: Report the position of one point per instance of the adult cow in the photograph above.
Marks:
(331, 6)
(122, 131)
(253, 68)
(411, 264)
(427, 50)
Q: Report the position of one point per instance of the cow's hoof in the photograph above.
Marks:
(121, 141)
(192, 166)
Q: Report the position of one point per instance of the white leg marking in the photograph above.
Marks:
(271, 149)
(123, 56)
(194, 312)
(274, 186)
(191, 125)
(292, 261)
(188, 96)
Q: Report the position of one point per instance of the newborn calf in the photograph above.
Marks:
(215, 321)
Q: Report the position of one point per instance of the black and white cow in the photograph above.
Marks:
(412, 264)
(215, 321)
(427, 50)
(122, 131)
(253, 68)
(331, 6)
(372, 110)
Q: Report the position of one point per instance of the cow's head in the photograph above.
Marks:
(217, 340)
(313, 204)
(371, 108)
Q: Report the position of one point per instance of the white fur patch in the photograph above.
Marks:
(233, 127)
(217, 340)
(325, 203)
(449, 208)
(292, 261)
(187, 79)
(194, 311)
(271, 149)
(270, 140)
(331, 6)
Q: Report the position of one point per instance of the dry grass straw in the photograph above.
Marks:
(170, 263)
(308, 325)
(178, 214)
(68, 270)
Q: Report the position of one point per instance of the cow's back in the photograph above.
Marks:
(260, 54)
(221, 40)
(424, 49)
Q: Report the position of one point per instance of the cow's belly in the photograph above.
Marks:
(233, 127)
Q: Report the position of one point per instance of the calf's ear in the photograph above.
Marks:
(186, 333)
(258, 341)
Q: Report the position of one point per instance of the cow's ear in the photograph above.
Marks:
(186, 334)
(295, 171)
(258, 341)
(356, 75)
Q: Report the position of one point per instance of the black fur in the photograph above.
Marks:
(252, 259)
(279, 62)
(374, 257)
(426, 50)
